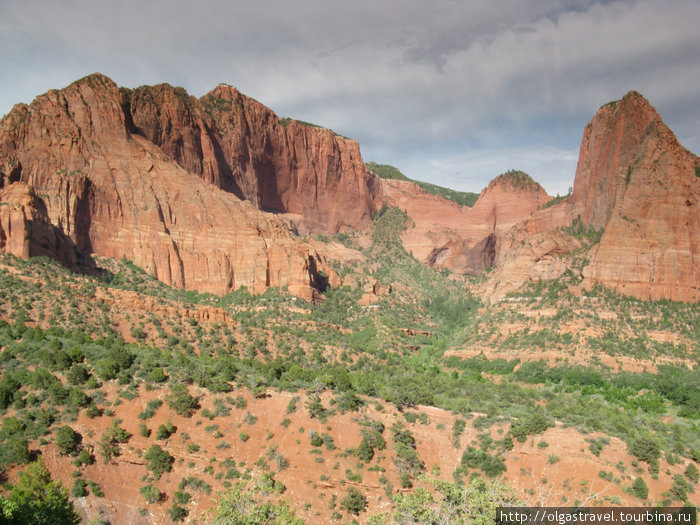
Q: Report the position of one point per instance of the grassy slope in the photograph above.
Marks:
(462, 198)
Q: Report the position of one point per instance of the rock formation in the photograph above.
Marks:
(635, 182)
(25, 230)
(240, 146)
(647, 196)
(79, 165)
(462, 239)
(211, 194)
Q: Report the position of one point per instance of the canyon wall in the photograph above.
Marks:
(97, 178)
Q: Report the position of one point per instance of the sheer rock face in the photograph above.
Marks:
(240, 146)
(527, 257)
(99, 180)
(182, 187)
(649, 203)
(637, 183)
(462, 239)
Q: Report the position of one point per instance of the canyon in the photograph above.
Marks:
(243, 298)
(216, 193)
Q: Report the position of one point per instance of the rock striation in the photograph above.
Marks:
(242, 147)
(212, 193)
(25, 230)
(94, 169)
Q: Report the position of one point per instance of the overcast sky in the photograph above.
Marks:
(451, 92)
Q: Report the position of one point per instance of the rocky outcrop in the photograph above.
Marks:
(111, 191)
(637, 183)
(184, 187)
(373, 291)
(524, 257)
(25, 230)
(462, 239)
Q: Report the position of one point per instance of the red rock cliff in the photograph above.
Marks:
(110, 191)
(462, 239)
(637, 181)
(241, 146)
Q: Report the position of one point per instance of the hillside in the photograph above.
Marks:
(463, 240)
(245, 382)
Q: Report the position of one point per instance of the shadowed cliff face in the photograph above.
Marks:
(240, 146)
(183, 186)
(638, 184)
(117, 177)
(25, 230)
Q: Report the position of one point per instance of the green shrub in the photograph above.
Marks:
(35, 498)
(85, 458)
(646, 449)
(244, 500)
(596, 445)
(177, 513)
(411, 417)
(535, 424)
(144, 430)
(640, 489)
(181, 401)
(111, 439)
(373, 434)
(79, 488)
(165, 431)
(77, 375)
(680, 488)
(151, 408)
(407, 461)
(67, 440)
(315, 407)
(328, 441)
(457, 429)
(158, 461)
(480, 459)
(183, 498)
(96, 490)
(158, 375)
(354, 501)
(365, 452)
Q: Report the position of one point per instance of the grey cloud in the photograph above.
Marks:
(449, 80)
